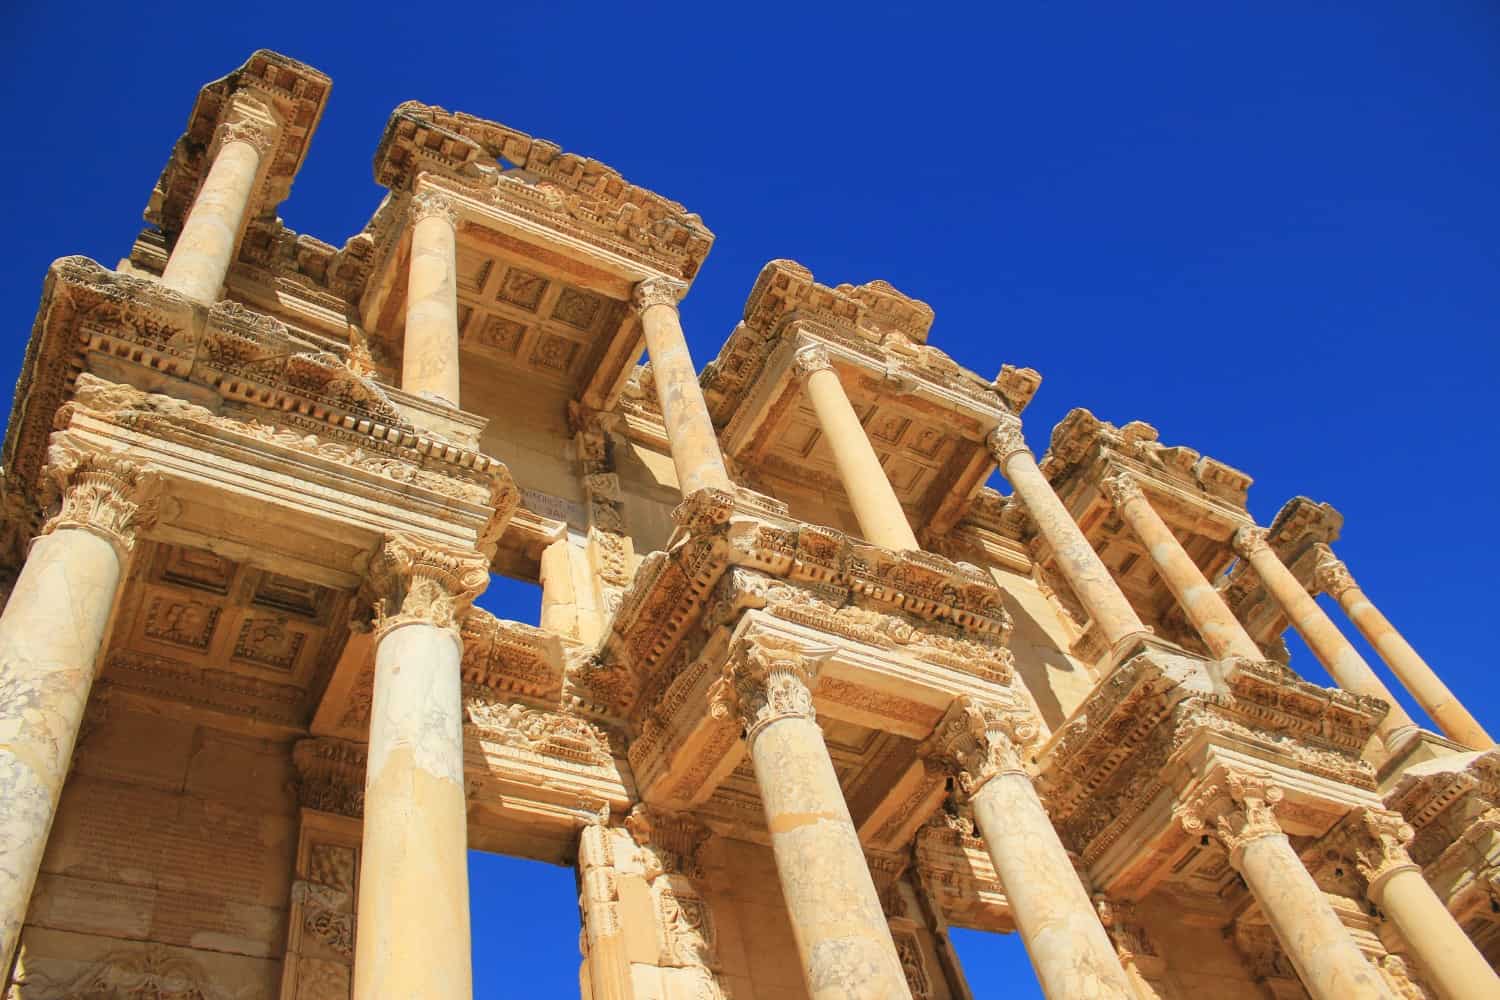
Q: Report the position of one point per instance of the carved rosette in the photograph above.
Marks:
(102, 494)
(766, 680)
(813, 358)
(1006, 440)
(1331, 576)
(1375, 840)
(1249, 541)
(433, 205)
(1121, 488)
(977, 741)
(413, 582)
(657, 292)
(1241, 808)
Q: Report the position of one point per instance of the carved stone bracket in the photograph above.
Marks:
(978, 741)
(766, 680)
(658, 292)
(1006, 439)
(1241, 807)
(412, 581)
(102, 494)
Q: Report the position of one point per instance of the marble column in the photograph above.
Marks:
(841, 932)
(1240, 808)
(51, 635)
(414, 890)
(690, 431)
(429, 355)
(1338, 656)
(1376, 842)
(879, 513)
(206, 246)
(1068, 946)
(1333, 578)
(1079, 564)
(1204, 607)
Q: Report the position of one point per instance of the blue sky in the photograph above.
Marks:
(1267, 229)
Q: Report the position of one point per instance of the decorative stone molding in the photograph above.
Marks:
(1330, 575)
(1121, 488)
(1376, 841)
(978, 740)
(657, 292)
(331, 775)
(1250, 541)
(670, 840)
(412, 581)
(104, 495)
(1006, 440)
(1241, 806)
(433, 205)
(766, 680)
(813, 358)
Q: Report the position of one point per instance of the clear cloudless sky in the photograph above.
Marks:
(1268, 229)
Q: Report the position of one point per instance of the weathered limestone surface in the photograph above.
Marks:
(429, 365)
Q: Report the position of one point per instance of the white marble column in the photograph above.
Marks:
(51, 636)
(429, 353)
(1333, 578)
(413, 924)
(211, 233)
(690, 430)
(871, 496)
(841, 932)
(1240, 809)
(1079, 564)
(1068, 946)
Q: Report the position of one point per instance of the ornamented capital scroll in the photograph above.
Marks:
(813, 358)
(657, 292)
(1330, 575)
(978, 741)
(412, 581)
(260, 137)
(99, 493)
(1241, 806)
(767, 680)
(433, 205)
(1375, 840)
(1250, 540)
(1006, 439)
(1121, 488)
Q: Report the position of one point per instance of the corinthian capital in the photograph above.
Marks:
(1241, 806)
(1375, 840)
(255, 134)
(1250, 540)
(412, 582)
(99, 493)
(433, 205)
(813, 358)
(766, 680)
(1330, 575)
(657, 292)
(1121, 488)
(1006, 439)
(977, 741)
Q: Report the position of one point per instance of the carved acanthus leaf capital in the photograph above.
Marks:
(812, 358)
(418, 582)
(1330, 575)
(1251, 540)
(1121, 488)
(1375, 840)
(1240, 805)
(259, 136)
(671, 840)
(658, 292)
(433, 205)
(767, 679)
(976, 741)
(1006, 440)
(103, 494)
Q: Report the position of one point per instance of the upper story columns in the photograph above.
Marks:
(690, 431)
(875, 505)
(1076, 558)
(429, 360)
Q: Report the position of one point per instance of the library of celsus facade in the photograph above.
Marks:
(805, 692)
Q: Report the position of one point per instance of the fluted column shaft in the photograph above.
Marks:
(429, 359)
(413, 917)
(205, 248)
(879, 513)
(841, 931)
(1204, 607)
(1406, 663)
(1068, 946)
(51, 634)
(1079, 564)
(1337, 654)
(690, 430)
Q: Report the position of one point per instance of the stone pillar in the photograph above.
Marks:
(842, 935)
(1338, 656)
(1241, 809)
(414, 893)
(1376, 842)
(1216, 624)
(206, 246)
(876, 508)
(690, 431)
(429, 356)
(1068, 946)
(51, 635)
(1333, 577)
(1079, 564)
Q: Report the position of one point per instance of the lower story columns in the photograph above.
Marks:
(1068, 946)
(841, 932)
(50, 638)
(414, 896)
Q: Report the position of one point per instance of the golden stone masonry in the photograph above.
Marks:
(804, 693)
